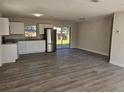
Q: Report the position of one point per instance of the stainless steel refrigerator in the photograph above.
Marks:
(50, 36)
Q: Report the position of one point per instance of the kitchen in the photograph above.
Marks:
(18, 38)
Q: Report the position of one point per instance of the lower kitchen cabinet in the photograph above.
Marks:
(34, 46)
(9, 53)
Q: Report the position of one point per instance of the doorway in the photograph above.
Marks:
(63, 35)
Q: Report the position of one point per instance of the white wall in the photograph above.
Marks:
(0, 52)
(117, 48)
(94, 35)
(0, 48)
(0, 14)
(60, 23)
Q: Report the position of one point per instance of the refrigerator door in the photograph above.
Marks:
(50, 40)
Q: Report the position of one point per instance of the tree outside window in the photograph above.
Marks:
(31, 31)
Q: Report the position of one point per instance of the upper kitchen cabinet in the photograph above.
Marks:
(4, 26)
(41, 27)
(16, 28)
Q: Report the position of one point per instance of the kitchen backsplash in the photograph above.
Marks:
(15, 38)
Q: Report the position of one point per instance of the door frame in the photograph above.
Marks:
(70, 33)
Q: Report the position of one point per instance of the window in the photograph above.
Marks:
(31, 31)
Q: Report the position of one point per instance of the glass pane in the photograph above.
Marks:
(63, 37)
(66, 37)
(58, 37)
(30, 31)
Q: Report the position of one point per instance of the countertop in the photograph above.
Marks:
(16, 41)
(9, 44)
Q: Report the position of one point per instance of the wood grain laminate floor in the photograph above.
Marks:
(65, 70)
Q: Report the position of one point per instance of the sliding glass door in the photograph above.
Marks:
(63, 37)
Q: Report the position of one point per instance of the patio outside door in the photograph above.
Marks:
(63, 37)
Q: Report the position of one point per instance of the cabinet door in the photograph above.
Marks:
(35, 45)
(22, 47)
(9, 53)
(42, 46)
(4, 26)
(30, 47)
(43, 26)
(16, 28)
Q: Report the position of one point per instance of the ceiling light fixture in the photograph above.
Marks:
(82, 19)
(95, 1)
(37, 14)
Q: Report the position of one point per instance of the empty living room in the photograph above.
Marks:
(61, 45)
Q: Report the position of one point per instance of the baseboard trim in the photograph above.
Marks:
(105, 54)
(117, 63)
(4, 62)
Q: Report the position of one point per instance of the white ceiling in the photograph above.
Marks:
(60, 9)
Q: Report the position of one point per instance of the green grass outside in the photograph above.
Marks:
(63, 42)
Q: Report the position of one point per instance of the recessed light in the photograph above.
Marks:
(95, 1)
(37, 14)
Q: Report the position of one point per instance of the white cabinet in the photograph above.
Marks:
(26, 47)
(9, 53)
(21, 47)
(16, 28)
(42, 26)
(4, 26)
